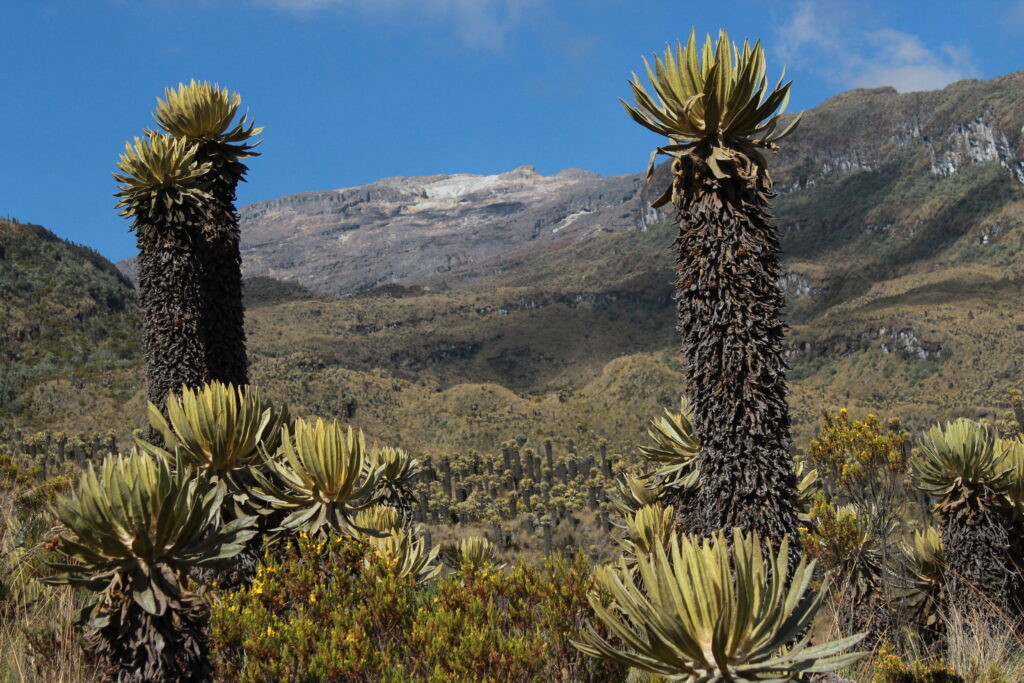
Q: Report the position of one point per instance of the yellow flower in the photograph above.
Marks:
(312, 597)
(270, 631)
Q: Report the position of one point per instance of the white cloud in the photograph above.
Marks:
(480, 23)
(820, 36)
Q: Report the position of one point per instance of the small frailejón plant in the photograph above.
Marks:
(164, 191)
(674, 458)
(720, 116)
(634, 492)
(647, 529)
(219, 430)
(974, 476)
(398, 477)
(675, 451)
(397, 542)
(926, 560)
(133, 533)
(702, 611)
(319, 478)
(204, 117)
(476, 553)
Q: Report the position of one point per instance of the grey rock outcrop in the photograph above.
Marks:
(411, 230)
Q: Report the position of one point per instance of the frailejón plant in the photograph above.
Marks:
(204, 117)
(164, 192)
(926, 560)
(398, 476)
(477, 553)
(133, 532)
(700, 611)
(634, 493)
(219, 430)
(319, 478)
(398, 543)
(972, 475)
(646, 529)
(720, 115)
(675, 453)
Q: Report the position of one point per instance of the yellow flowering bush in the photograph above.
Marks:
(848, 454)
(312, 613)
(891, 668)
(856, 518)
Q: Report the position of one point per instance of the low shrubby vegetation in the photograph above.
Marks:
(355, 589)
(339, 609)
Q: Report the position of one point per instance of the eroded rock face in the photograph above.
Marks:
(966, 123)
(888, 339)
(408, 230)
(976, 142)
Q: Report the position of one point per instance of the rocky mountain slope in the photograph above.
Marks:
(407, 230)
(541, 305)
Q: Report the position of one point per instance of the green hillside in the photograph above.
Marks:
(67, 316)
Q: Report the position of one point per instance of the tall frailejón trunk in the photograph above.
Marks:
(728, 301)
(223, 323)
(172, 311)
(203, 115)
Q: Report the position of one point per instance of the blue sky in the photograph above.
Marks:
(354, 90)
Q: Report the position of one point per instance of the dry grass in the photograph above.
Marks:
(38, 642)
(984, 647)
(37, 636)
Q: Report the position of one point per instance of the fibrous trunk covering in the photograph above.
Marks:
(728, 300)
(221, 263)
(172, 311)
(981, 571)
(135, 647)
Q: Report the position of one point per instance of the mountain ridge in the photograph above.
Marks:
(438, 228)
(902, 223)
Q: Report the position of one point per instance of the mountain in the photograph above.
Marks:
(407, 230)
(476, 308)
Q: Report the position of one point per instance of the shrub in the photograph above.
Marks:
(854, 527)
(330, 609)
(862, 461)
(891, 668)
